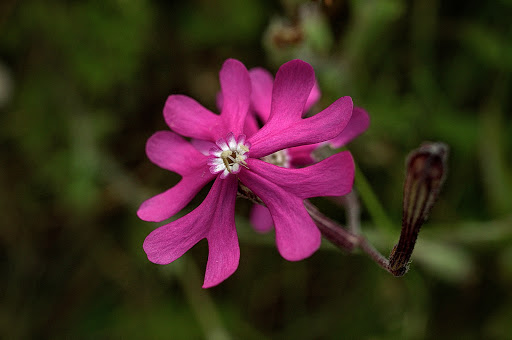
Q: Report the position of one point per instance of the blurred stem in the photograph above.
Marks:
(353, 209)
(370, 200)
(474, 233)
(496, 176)
(201, 302)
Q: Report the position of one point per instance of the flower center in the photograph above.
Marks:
(228, 155)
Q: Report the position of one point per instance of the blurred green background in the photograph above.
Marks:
(83, 84)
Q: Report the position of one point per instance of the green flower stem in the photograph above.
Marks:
(370, 200)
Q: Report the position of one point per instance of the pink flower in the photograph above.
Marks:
(236, 158)
(261, 99)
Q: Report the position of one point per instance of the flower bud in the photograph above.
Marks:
(425, 173)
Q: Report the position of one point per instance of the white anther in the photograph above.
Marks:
(228, 156)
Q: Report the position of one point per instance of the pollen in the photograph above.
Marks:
(229, 155)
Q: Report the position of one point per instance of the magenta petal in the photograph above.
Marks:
(251, 125)
(236, 95)
(168, 203)
(302, 155)
(219, 101)
(170, 151)
(292, 86)
(358, 123)
(297, 236)
(333, 176)
(203, 146)
(313, 98)
(261, 219)
(277, 135)
(223, 248)
(214, 220)
(190, 119)
(261, 96)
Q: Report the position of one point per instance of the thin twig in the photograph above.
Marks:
(369, 249)
(343, 238)
(332, 231)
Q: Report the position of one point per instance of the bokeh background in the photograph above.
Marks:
(83, 84)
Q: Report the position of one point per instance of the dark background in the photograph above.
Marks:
(83, 84)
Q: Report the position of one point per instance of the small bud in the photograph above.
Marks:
(425, 173)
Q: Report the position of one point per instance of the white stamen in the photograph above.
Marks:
(243, 148)
(229, 156)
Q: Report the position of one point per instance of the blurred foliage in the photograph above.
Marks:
(82, 85)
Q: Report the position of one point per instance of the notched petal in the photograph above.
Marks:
(213, 219)
(187, 117)
(297, 236)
